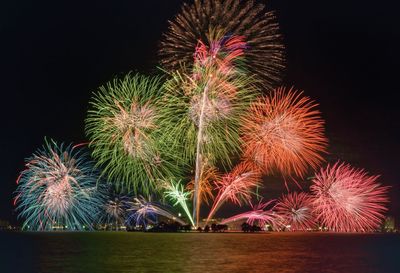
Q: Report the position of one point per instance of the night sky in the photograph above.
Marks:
(53, 55)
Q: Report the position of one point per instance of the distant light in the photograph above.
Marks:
(179, 214)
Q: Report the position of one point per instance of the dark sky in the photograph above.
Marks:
(53, 54)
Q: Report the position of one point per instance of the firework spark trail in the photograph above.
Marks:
(257, 214)
(124, 126)
(348, 199)
(208, 19)
(58, 187)
(142, 211)
(296, 210)
(235, 186)
(205, 107)
(284, 132)
(176, 193)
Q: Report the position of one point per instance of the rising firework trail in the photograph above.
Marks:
(295, 211)
(235, 186)
(201, 21)
(284, 133)
(124, 126)
(58, 188)
(142, 211)
(204, 107)
(258, 214)
(348, 199)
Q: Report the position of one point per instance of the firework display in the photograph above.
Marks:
(123, 125)
(176, 138)
(204, 19)
(348, 199)
(58, 189)
(295, 211)
(284, 133)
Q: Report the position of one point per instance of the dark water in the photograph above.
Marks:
(164, 252)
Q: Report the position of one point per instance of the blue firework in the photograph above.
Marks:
(114, 210)
(58, 188)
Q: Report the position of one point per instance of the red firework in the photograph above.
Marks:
(296, 212)
(348, 199)
(235, 186)
(284, 132)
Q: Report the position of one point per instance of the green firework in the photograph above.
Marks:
(124, 126)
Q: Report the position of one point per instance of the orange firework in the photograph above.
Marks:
(284, 132)
(208, 176)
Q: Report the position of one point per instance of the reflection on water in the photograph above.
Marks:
(197, 252)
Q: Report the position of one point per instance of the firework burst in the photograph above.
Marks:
(114, 209)
(284, 132)
(235, 186)
(58, 188)
(124, 126)
(348, 199)
(207, 19)
(295, 211)
(176, 193)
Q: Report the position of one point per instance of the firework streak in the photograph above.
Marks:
(258, 214)
(142, 211)
(235, 186)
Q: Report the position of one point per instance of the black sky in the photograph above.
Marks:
(344, 54)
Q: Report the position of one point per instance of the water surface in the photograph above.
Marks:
(98, 252)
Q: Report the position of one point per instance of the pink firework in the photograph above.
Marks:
(258, 214)
(284, 132)
(235, 186)
(222, 54)
(296, 211)
(348, 199)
